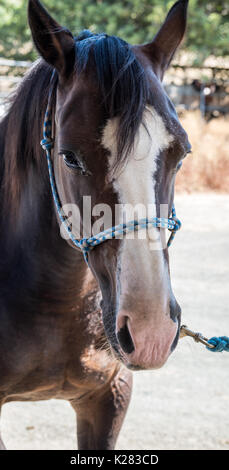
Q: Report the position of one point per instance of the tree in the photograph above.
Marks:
(134, 20)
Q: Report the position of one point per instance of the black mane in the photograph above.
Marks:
(122, 83)
(121, 80)
(21, 132)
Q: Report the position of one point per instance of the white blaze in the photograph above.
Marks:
(135, 184)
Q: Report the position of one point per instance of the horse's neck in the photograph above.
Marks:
(34, 253)
(32, 231)
(3, 127)
(31, 234)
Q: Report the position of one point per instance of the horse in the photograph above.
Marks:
(68, 329)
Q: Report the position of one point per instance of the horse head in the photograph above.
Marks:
(118, 140)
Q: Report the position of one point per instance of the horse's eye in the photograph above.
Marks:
(71, 160)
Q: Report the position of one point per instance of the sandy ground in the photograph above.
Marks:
(184, 405)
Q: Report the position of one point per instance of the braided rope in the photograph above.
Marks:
(220, 343)
(87, 244)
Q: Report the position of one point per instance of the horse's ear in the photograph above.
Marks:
(168, 38)
(53, 42)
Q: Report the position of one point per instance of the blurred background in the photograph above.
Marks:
(197, 82)
(185, 404)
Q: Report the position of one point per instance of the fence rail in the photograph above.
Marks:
(14, 63)
(178, 83)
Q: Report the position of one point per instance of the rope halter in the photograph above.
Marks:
(87, 244)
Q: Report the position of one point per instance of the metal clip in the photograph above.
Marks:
(198, 337)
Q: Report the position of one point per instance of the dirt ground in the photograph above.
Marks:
(184, 405)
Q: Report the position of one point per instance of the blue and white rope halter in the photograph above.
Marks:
(87, 244)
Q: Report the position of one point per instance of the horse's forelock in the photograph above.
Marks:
(121, 80)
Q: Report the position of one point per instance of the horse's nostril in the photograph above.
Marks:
(125, 339)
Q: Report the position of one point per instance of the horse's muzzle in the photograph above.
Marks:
(145, 345)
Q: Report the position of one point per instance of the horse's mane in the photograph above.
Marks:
(122, 83)
(21, 132)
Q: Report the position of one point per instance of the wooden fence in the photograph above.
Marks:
(189, 87)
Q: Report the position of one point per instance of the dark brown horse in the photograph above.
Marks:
(68, 331)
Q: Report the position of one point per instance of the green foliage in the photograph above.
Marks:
(134, 20)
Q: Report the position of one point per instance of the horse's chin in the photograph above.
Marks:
(117, 354)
